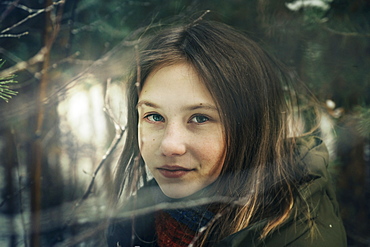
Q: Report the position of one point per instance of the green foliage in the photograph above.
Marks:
(5, 92)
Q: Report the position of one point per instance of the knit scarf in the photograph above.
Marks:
(178, 227)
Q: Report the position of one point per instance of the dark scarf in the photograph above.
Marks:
(178, 227)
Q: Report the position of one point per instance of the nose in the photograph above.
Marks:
(174, 140)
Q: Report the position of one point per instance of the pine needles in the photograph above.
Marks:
(5, 92)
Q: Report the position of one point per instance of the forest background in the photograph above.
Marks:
(62, 114)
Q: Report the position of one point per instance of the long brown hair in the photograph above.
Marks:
(255, 96)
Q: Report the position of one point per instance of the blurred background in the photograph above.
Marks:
(62, 114)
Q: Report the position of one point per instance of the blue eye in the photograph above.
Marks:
(155, 118)
(200, 119)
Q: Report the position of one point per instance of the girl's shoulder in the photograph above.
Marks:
(318, 193)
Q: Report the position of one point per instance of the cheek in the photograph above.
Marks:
(214, 154)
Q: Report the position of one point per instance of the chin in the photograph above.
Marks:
(176, 192)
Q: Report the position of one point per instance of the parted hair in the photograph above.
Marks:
(256, 97)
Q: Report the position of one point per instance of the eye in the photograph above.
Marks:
(154, 118)
(199, 119)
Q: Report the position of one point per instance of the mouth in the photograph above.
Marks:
(174, 171)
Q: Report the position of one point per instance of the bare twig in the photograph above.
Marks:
(345, 33)
(8, 197)
(201, 230)
(15, 4)
(40, 11)
(13, 35)
(119, 134)
(108, 110)
(201, 17)
(112, 147)
(322, 23)
(38, 58)
(22, 216)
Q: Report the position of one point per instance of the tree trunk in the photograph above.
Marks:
(37, 152)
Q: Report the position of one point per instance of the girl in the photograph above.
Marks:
(210, 157)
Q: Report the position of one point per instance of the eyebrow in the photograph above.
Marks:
(189, 108)
(201, 106)
(146, 103)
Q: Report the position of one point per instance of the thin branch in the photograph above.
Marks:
(38, 58)
(119, 134)
(15, 4)
(40, 11)
(108, 110)
(89, 70)
(22, 216)
(40, 55)
(111, 148)
(8, 197)
(322, 23)
(13, 35)
(201, 17)
(346, 33)
(201, 230)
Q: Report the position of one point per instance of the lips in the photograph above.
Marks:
(174, 171)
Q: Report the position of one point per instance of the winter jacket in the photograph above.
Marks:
(318, 193)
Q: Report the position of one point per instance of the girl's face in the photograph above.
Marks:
(181, 136)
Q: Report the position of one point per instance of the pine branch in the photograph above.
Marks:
(5, 92)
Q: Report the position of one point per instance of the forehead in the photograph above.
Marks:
(177, 83)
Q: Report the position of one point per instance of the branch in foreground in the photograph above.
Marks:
(83, 235)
